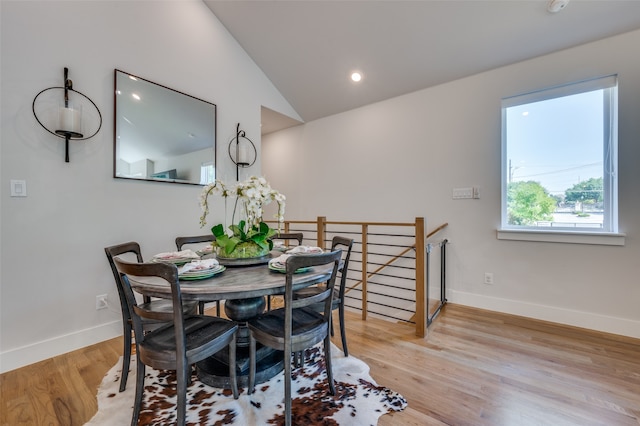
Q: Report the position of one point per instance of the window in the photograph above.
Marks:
(207, 173)
(559, 159)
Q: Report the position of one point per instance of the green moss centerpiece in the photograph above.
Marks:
(250, 237)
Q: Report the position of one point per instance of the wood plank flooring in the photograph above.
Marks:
(474, 368)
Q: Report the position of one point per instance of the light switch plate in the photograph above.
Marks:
(462, 193)
(18, 188)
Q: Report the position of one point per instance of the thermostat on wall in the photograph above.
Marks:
(18, 188)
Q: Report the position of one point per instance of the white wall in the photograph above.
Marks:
(399, 159)
(52, 259)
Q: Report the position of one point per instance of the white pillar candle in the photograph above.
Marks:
(70, 120)
(243, 154)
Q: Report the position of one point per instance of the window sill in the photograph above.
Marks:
(597, 238)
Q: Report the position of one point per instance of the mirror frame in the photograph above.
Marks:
(170, 178)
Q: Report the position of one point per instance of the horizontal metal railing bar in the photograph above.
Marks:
(389, 256)
(388, 266)
(382, 264)
(404, 299)
(378, 294)
(390, 316)
(358, 308)
(392, 307)
(377, 234)
(390, 276)
(387, 245)
(332, 222)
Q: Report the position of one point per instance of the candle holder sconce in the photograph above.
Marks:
(68, 124)
(245, 153)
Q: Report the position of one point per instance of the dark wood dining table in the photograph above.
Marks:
(243, 286)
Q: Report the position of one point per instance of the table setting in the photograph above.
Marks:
(279, 264)
(176, 257)
(200, 269)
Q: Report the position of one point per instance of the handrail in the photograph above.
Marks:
(398, 256)
(422, 249)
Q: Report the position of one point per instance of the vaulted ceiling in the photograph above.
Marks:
(309, 48)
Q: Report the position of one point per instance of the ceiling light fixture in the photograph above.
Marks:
(356, 76)
(555, 6)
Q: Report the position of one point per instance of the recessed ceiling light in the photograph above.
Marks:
(356, 76)
(555, 6)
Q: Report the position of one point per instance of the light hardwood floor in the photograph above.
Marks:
(474, 368)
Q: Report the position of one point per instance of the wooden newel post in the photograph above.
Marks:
(421, 282)
(321, 231)
(365, 275)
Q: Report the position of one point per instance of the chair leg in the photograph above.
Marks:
(287, 389)
(342, 331)
(181, 390)
(252, 364)
(217, 308)
(327, 361)
(126, 356)
(233, 376)
(137, 405)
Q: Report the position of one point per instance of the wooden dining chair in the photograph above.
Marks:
(179, 344)
(346, 244)
(198, 239)
(296, 327)
(161, 310)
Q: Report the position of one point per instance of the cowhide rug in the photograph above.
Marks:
(358, 400)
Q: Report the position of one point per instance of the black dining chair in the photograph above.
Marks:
(176, 345)
(296, 327)
(160, 310)
(198, 239)
(346, 244)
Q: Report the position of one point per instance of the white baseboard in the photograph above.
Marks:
(39, 351)
(574, 318)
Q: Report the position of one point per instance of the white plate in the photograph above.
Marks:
(202, 274)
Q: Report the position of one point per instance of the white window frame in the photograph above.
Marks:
(609, 234)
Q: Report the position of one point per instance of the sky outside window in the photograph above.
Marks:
(556, 142)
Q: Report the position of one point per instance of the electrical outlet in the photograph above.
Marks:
(488, 278)
(101, 302)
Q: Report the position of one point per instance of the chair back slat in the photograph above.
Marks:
(346, 244)
(306, 261)
(297, 236)
(181, 241)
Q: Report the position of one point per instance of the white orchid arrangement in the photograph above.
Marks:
(252, 194)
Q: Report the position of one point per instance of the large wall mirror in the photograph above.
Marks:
(161, 134)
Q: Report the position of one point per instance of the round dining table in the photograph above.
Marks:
(243, 286)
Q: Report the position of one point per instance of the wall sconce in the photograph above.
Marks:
(68, 122)
(245, 153)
